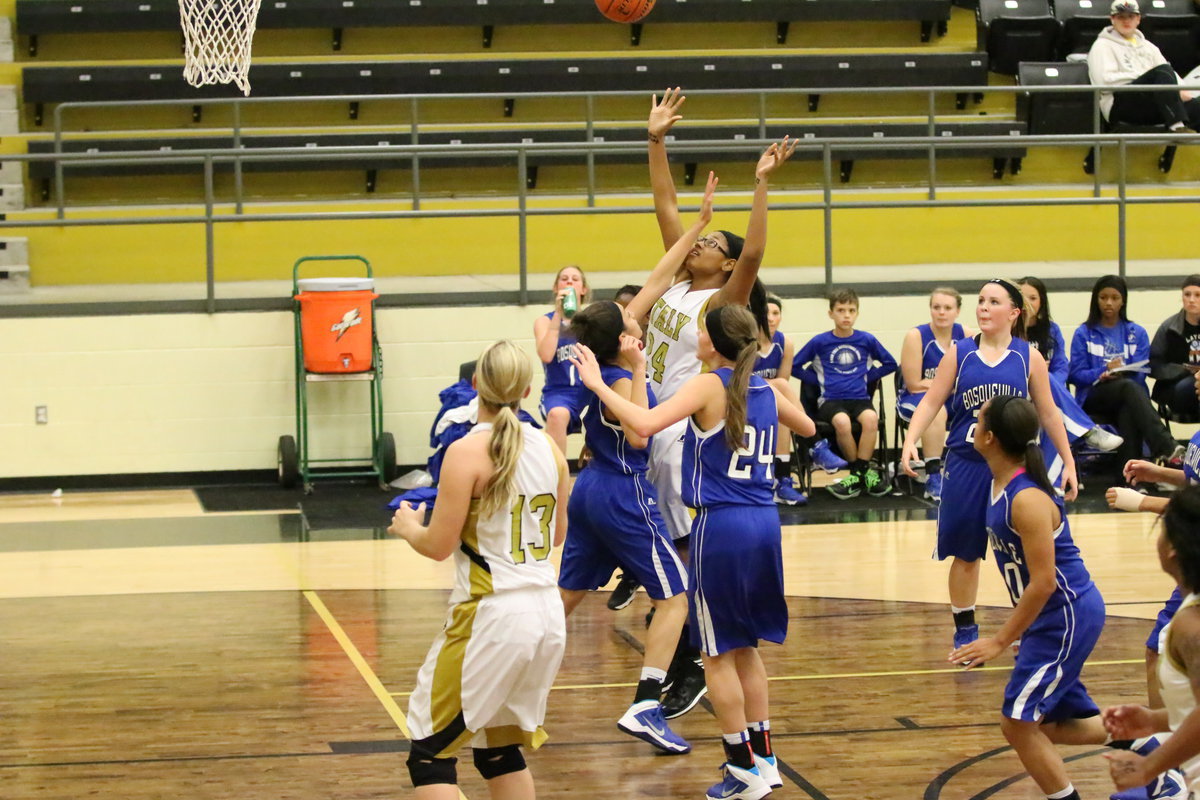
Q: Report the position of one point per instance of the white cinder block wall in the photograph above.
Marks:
(183, 393)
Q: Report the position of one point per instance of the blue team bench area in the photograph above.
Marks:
(720, 143)
(45, 17)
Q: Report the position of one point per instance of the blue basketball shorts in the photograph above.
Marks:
(735, 585)
(1164, 616)
(962, 515)
(613, 521)
(906, 404)
(573, 398)
(1045, 684)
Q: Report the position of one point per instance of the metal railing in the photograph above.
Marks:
(587, 151)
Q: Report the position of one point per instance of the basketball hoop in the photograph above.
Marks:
(217, 36)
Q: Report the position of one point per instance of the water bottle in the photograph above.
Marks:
(570, 303)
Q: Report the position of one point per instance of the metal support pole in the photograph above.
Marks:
(931, 131)
(209, 245)
(416, 160)
(762, 115)
(59, 192)
(1122, 156)
(827, 164)
(1096, 147)
(238, 188)
(522, 230)
(590, 112)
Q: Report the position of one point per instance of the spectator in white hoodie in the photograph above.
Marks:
(1122, 55)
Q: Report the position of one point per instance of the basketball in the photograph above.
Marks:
(625, 10)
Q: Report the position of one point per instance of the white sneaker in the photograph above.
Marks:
(768, 767)
(1102, 440)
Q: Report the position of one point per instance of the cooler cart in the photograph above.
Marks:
(335, 341)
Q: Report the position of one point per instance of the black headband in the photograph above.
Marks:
(722, 342)
(1018, 299)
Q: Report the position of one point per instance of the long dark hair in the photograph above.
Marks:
(734, 334)
(1013, 420)
(599, 326)
(1038, 329)
(1181, 520)
(759, 297)
(1108, 282)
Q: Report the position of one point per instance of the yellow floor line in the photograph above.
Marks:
(835, 676)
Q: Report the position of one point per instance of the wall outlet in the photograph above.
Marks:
(41, 415)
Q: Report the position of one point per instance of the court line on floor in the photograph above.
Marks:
(841, 675)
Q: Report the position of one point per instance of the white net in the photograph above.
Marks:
(217, 37)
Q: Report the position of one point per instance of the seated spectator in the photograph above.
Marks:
(1108, 354)
(844, 362)
(1122, 55)
(922, 351)
(1175, 353)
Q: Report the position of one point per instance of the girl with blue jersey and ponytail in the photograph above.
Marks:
(735, 570)
(562, 394)
(995, 362)
(1058, 612)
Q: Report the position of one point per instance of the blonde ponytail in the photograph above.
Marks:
(502, 377)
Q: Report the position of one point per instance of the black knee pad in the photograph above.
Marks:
(424, 768)
(492, 762)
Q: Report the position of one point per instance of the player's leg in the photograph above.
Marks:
(852, 485)
(1039, 756)
(785, 487)
(557, 420)
(933, 445)
(873, 481)
(845, 435)
(512, 786)
(753, 675)
(962, 537)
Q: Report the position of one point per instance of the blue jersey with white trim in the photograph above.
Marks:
(715, 475)
(767, 366)
(560, 371)
(931, 350)
(1191, 460)
(605, 438)
(976, 383)
(1070, 575)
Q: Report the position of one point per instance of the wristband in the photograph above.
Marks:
(1128, 499)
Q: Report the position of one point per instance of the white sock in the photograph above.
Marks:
(659, 675)
(1067, 792)
(956, 610)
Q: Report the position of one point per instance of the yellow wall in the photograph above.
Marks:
(175, 393)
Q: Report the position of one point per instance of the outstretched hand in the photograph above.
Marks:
(408, 518)
(587, 366)
(665, 113)
(775, 155)
(976, 654)
(631, 351)
(706, 203)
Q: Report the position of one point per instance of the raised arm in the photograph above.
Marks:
(1052, 420)
(663, 115)
(910, 362)
(461, 470)
(546, 331)
(792, 416)
(632, 389)
(663, 274)
(736, 290)
(785, 364)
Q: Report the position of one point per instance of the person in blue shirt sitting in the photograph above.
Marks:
(1107, 357)
(843, 363)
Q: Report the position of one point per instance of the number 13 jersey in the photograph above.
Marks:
(715, 475)
(511, 548)
(672, 337)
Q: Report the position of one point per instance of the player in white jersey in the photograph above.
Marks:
(501, 509)
(720, 270)
(1178, 667)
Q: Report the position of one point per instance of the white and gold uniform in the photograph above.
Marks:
(1177, 693)
(671, 341)
(488, 673)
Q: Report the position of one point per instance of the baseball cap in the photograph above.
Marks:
(1124, 7)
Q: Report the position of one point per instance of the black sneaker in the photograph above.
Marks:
(685, 691)
(623, 594)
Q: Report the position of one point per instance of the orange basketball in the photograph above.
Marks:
(625, 10)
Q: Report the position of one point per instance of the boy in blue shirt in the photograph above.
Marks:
(843, 363)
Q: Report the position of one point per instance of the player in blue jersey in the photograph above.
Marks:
(995, 362)
(922, 351)
(603, 533)
(562, 394)
(735, 573)
(774, 365)
(1058, 612)
(844, 362)
(1046, 337)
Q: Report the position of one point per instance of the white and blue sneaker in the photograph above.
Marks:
(933, 487)
(964, 636)
(739, 784)
(824, 457)
(768, 767)
(645, 721)
(1171, 785)
(787, 495)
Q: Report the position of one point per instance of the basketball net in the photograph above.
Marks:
(217, 36)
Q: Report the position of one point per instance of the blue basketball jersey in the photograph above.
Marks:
(560, 371)
(768, 366)
(931, 351)
(1071, 576)
(1191, 460)
(605, 437)
(976, 383)
(713, 474)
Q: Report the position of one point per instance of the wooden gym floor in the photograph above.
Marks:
(151, 647)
